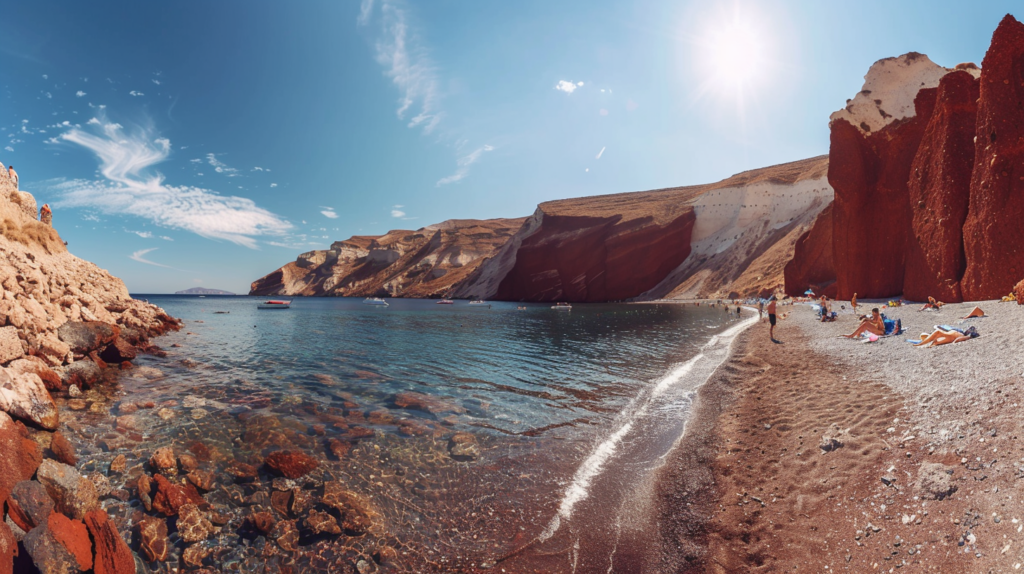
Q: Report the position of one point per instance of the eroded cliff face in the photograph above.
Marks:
(426, 262)
(812, 265)
(992, 245)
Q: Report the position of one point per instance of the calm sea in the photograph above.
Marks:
(568, 411)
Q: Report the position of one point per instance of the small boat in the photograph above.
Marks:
(274, 304)
(477, 302)
(375, 301)
(562, 306)
(446, 302)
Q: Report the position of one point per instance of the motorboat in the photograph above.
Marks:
(477, 302)
(562, 306)
(275, 304)
(446, 302)
(375, 301)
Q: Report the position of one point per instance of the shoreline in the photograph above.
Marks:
(749, 488)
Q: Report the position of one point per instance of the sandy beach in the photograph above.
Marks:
(823, 454)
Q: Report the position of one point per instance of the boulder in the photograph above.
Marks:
(992, 246)
(62, 449)
(85, 337)
(29, 505)
(118, 351)
(869, 173)
(8, 548)
(812, 265)
(34, 365)
(291, 464)
(48, 555)
(83, 374)
(153, 544)
(73, 536)
(1018, 292)
(23, 395)
(939, 191)
(10, 344)
(19, 455)
(72, 493)
(112, 555)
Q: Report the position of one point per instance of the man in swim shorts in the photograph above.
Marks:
(771, 317)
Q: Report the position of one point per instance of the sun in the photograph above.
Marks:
(732, 52)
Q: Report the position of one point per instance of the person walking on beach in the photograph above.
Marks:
(771, 317)
(13, 175)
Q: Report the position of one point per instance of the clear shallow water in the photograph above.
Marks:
(539, 390)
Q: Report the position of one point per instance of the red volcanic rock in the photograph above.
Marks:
(153, 543)
(19, 455)
(291, 464)
(1018, 292)
(29, 505)
(169, 497)
(112, 554)
(63, 449)
(8, 548)
(812, 265)
(939, 191)
(118, 351)
(338, 448)
(163, 459)
(584, 258)
(869, 174)
(86, 336)
(84, 374)
(421, 402)
(74, 537)
(992, 246)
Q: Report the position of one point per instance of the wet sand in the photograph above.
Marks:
(920, 480)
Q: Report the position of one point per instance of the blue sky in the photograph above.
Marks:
(207, 143)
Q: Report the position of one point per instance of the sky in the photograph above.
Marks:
(184, 144)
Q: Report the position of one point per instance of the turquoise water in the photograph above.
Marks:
(538, 391)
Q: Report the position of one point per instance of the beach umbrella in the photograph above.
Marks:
(809, 292)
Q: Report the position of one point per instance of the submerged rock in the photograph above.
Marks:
(291, 464)
(421, 402)
(356, 512)
(153, 539)
(63, 449)
(163, 459)
(462, 446)
(322, 523)
(193, 525)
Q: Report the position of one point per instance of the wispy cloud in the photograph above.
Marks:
(79, 93)
(273, 185)
(567, 87)
(329, 212)
(142, 234)
(129, 187)
(406, 62)
(464, 164)
(219, 166)
(135, 93)
(140, 256)
(601, 153)
(397, 213)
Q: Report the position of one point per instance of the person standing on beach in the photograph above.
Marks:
(853, 303)
(13, 175)
(771, 317)
(760, 309)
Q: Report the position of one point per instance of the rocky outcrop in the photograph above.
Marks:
(812, 265)
(427, 262)
(869, 172)
(939, 193)
(992, 245)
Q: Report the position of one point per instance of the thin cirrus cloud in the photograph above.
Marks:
(568, 87)
(140, 256)
(406, 62)
(128, 188)
(464, 164)
(219, 166)
(601, 153)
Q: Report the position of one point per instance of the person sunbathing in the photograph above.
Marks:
(873, 324)
(976, 312)
(944, 337)
(932, 304)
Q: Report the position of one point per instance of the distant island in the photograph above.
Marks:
(203, 291)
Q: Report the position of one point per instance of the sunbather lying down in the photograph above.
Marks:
(944, 337)
(932, 304)
(977, 312)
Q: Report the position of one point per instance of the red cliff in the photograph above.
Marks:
(812, 265)
(994, 252)
(939, 191)
(869, 173)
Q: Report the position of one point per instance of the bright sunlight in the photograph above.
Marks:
(733, 53)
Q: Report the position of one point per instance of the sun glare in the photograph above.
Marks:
(732, 52)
